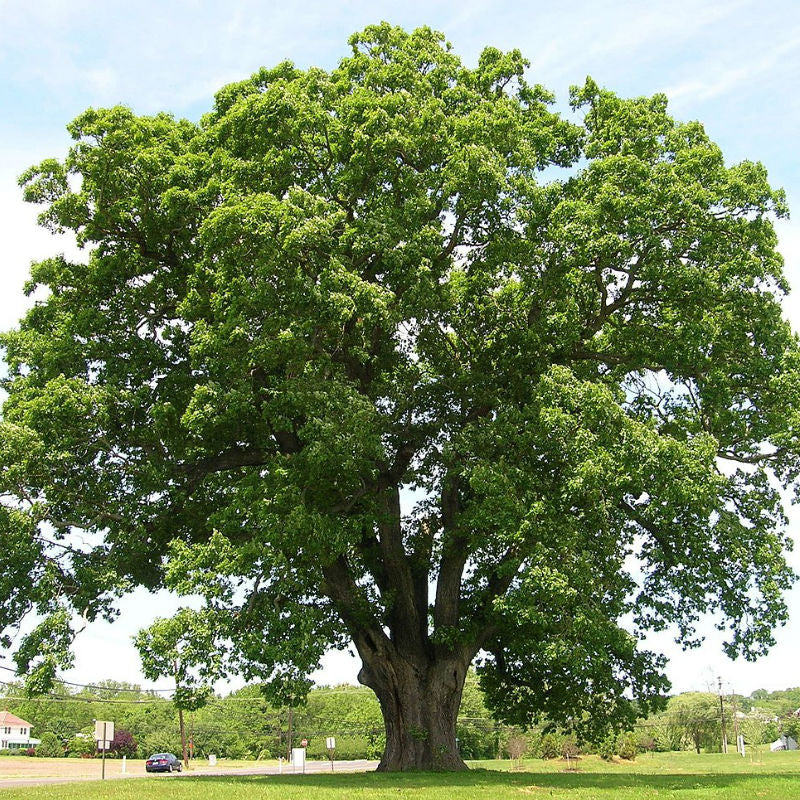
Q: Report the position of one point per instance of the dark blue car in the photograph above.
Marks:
(163, 762)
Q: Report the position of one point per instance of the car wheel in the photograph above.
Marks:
(170, 767)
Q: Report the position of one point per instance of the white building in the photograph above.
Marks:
(15, 733)
(783, 743)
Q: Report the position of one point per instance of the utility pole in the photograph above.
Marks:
(722, 717)
(183, 738)
(179, 702)
(289, 737)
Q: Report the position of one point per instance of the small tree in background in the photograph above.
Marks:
(180, 647)
(792, 728)
(516, 745)
(570, 750)
(697, 714)
(754, 730)
(608, 748)
(50, 746)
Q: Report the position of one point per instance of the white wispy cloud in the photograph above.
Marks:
(730, 77)
(626, 33)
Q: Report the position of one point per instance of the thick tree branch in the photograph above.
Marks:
(233, 458)
(354, 609)
(498, 583)
(455, 552)
(670, 558)
(408, 609)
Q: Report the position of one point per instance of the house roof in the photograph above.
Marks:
(7, 718)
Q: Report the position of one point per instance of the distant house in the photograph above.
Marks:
(15, 733)
(783, 743)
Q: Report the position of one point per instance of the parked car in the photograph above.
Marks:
(163, 762)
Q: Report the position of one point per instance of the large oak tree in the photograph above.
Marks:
(395, 356)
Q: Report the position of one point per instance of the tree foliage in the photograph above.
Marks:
(49, 746)
(698, 716)
(346, 361)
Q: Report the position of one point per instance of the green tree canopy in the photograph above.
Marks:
(345, 360)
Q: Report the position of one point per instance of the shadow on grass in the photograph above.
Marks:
(488, 778)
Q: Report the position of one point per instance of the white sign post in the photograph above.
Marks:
(330, 744)
(104, 735)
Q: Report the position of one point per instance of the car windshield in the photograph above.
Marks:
(160, 755)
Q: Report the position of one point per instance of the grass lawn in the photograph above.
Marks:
(666, 776)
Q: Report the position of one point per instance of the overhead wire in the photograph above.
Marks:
(93, 685)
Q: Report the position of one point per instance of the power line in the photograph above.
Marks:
(318, 691)
(91, 685)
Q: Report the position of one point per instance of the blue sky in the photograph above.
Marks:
(733, 65)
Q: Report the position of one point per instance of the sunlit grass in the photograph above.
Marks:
(666, 776)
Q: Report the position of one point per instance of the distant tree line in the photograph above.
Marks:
(243, 725)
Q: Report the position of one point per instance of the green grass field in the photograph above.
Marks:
(668, 776)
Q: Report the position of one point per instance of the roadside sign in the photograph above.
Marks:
(330, 744)
(103, 733)
(298, 759)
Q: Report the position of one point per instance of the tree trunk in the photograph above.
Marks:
(418, 682)
(419, 704)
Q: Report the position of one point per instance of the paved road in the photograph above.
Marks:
(311, 767)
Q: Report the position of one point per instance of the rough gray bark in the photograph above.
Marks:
(419, 707)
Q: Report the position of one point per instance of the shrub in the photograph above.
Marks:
(31, 751)
(608, 748)
(376, 744)
(550, 746)
(82, 745)
(347, 746)
(123, 744)
(473, 741)
(165, 742)
(50, 746)
(626, 747)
